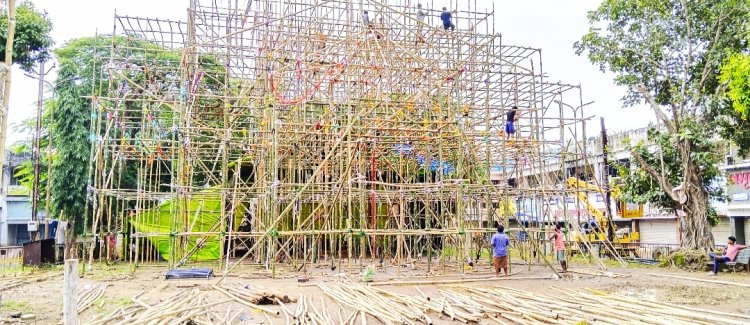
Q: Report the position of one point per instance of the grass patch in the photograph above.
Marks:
(10, 305)
(105, 306)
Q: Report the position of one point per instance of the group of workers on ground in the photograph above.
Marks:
(446, 17)
(501, 241)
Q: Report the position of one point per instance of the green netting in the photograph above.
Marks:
(203, 215)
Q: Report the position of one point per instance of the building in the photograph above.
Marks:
(738, 191)
(15, 204)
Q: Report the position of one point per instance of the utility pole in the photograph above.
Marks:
(605, 182)
(36, 155)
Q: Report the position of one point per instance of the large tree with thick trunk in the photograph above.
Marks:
(668, 54)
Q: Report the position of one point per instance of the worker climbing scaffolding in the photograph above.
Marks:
(447, 18)
(510, 122)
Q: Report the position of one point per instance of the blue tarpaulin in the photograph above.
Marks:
(189, 273)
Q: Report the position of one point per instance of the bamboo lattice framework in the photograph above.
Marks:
(295, 132)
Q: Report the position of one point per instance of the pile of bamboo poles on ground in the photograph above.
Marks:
(596, 272)
(7, 284)
(367, 300)
(307, 313)
(180, 308)
(87, 297)
(473, 304)
(591, 306)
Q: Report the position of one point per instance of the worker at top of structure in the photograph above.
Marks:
(730, 253)
(559, 239)
(500, 244)
(366, 19)
(510, 120)
(421, 14)
(447, 17)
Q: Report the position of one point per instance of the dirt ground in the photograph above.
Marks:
(44, 299)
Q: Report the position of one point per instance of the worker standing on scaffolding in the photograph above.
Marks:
(421, 14)
(366, 19)
(510, 120)
(447, 17)
(559, 239)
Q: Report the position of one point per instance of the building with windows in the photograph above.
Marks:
(15, 204)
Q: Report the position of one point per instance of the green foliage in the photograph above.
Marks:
(32, 41)
(71, 139)
(736, 74)
(735, 124)
(660, 44)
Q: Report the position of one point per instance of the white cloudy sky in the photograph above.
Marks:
(552, 25)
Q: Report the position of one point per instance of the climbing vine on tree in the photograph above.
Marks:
(72, 145)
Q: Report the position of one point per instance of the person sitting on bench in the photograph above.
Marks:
(730, 253)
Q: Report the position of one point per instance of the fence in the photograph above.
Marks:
(11, 257)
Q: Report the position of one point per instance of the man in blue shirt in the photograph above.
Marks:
(500, 244)
(446, 17)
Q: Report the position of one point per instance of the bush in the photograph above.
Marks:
(686, 259)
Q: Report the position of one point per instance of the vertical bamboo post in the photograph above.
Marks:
(70, 292)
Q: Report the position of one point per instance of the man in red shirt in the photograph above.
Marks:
(730, 253)
(560, 246)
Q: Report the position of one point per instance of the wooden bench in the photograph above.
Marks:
(743, 259)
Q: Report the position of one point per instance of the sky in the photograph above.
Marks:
(552, 25)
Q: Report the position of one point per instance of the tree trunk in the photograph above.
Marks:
(694, 226)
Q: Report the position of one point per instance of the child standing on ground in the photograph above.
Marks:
(559, 239)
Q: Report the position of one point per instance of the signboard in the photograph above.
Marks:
(738, 187)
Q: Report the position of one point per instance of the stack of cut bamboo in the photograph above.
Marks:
(367, 300)
(474, 304)
(193, 307)
(7, 284)
(307, 313)
(87, 297)
(594, 307)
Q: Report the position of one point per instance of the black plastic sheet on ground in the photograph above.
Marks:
(195, 273)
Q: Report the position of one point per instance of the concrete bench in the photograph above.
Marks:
(742, 259)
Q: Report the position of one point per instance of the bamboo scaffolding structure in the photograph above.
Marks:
(279, 133)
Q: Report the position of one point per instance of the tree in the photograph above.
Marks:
(71, 138)
(735, 79)
(25, 40)
(32, 41)
(668, 54)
